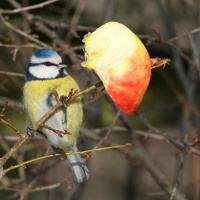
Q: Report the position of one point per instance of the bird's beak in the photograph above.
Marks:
(62, 70)
(62, 65)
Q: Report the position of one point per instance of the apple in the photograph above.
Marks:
(122, 63)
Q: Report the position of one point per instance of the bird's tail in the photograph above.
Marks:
(81, 171)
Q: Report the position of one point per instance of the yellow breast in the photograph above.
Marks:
(35, 92)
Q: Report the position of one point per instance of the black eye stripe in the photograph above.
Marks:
(34, 64)
(49, 64)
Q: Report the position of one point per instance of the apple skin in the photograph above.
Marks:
(127, 89)
(125, 76)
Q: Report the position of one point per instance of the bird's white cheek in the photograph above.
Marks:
(43, 72)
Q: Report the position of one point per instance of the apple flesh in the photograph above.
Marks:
(122, 63)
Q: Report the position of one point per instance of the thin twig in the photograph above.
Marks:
(184, 55)
(9, 138)
(12, 151)
(40, 5)
(49, 187)
(8, 123)
(15, 105)
(58, 132)
(109, 130)
(177, 144)
(55, 24)
(12, 74)
(178, 176)
(64, 153)
(184, 34)
(10, 26)
(4, 109)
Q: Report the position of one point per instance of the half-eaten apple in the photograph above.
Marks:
(122, 63)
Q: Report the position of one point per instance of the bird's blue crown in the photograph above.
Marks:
(45, 53)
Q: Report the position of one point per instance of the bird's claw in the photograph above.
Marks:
(65, 99)
(31, 132)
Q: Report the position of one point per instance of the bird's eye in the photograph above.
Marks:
(48, 64)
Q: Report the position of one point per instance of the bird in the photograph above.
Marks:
(45, 74)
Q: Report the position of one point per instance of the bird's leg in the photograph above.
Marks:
(56, 96)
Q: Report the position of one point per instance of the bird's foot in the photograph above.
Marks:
(65, 99)
(31, 132)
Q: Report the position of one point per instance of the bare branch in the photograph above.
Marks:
(22, 33)
(40, 5)
(61, 154)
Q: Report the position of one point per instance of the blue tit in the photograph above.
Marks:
(46, 74)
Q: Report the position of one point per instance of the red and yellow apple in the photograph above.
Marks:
(122, 63)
